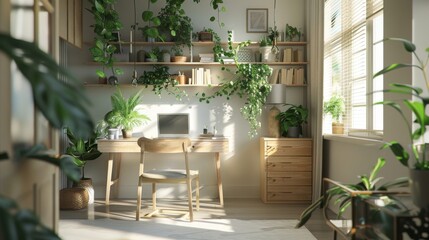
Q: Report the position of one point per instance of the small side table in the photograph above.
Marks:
(396, 217)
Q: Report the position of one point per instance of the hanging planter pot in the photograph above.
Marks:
(419, 179)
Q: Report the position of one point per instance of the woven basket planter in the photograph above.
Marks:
(73, 198)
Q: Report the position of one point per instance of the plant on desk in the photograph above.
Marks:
(125, 113)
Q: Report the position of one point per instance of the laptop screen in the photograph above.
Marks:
(173, 125)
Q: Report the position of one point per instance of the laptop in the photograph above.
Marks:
(173, 125)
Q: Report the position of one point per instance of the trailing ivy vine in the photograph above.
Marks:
(249, 82)
(161, 80)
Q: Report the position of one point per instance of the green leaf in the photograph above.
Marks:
(419, 112)
(398, 151)
(100, 73)
(407, 87)
(212, 19)
(173, 33)
(393, 67)
(408, 45)
(156, 21)
(380, 163)
(147, 15)
(98, 6)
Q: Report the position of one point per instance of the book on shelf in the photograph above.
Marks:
(200, 76)
(274, 78)
(299, 78)
(206, 57)
(298, 55)
(287, 55)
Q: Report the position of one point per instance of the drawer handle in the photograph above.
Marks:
(274, 180)
(274, 165)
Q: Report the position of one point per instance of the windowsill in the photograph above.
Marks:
(353, 140)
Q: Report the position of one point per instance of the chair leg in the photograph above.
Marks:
(139, 199)
(191, 214)
(154, 196)
(197, 181)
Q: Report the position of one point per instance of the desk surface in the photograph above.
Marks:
(201, 145)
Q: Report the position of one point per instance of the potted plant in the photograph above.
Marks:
(291, 33)
(335, 107)
(111, 119)
(291, 120)
(175, 24)
(177, 54)
(83, 150)
(417, 161)
(343, 198)
(153, 55)
(205, 35)
(124, 111)
(106, 25)
(265, 46)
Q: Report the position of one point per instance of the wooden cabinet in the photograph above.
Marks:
(286, 170)
(71, 21)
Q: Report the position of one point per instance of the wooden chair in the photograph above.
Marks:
(185, 176)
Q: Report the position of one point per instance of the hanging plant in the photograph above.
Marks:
(250, 82)
(160, 80)
(106, 24)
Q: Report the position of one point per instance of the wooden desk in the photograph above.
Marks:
(129, 145)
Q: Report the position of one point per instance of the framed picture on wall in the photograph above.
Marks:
(257, 20)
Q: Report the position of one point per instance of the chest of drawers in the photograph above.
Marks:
(286, 170)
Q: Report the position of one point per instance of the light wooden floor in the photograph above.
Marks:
(244, 209)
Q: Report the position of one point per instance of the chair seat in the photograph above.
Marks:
(168, 174)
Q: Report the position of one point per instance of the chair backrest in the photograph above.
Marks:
(164, 145)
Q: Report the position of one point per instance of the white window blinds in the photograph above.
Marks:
(351, 56)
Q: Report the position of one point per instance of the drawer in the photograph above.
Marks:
(289, 178)
(288, 148)
(288, 197)
(289, 189)
(289, 164)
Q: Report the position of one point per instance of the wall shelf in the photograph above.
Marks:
(205, 44)
(92, 85)
(203, 63)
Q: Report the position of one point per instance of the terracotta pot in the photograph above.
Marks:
(127, 133)
(337, 128)
(178, 59)
(419, 180)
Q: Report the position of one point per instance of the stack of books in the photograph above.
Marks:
(206, 57)
(200, 76)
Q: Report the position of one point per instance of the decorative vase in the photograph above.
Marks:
(293, 132)
(141, 54)
(337, 128)
(86, 183)
(127, 133)
(273, 123)
(166, 57)
(113, 133)
(266, 54)
(419, 189)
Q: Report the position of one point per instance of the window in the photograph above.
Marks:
(353, 52)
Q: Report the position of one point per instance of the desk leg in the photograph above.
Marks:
(219, 178)
(117, 168)
(109, 177)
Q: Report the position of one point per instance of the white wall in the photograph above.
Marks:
(240, 169)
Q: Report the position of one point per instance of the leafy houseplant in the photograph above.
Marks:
(417, 160)
(177, 54)
(335, 107)
(124, 110)
(175, 23)
(106, 24)
(82, 150)
(161, 80)
(292, 32)
(292, 119)
(343, 197)
(250, 82)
